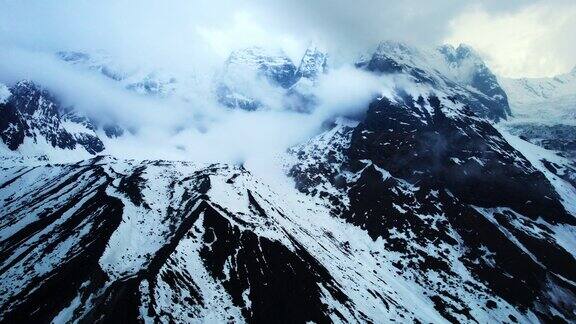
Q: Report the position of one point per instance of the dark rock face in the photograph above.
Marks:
(560, 138)
(489, 173)
(434, 182)
(485, 81)
(113, 131)
(32, 112)
(565, 171)
(285, 288)
(465, 155)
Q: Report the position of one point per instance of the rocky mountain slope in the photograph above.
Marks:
(451, 199)
(421, 211)
(31, 117)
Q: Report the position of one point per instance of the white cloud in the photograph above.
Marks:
(347, 91)
(196, 129)
(243, 30)
(538, 40)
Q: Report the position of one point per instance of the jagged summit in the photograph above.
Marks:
(274, 65)
(452, 70)
(462, 52)
(261, 68)
(392, 47)
(33, 118)
(313, 63)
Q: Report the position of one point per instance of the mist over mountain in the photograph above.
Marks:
(292, 162)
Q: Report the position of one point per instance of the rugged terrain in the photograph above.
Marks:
(422, 210)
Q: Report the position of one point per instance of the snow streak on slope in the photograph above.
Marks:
(560, 171)
(4, 94)
(209, 243)
(177, 241)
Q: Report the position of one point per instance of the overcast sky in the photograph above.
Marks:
(517, 37)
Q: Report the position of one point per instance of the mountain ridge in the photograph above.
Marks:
(424, 209)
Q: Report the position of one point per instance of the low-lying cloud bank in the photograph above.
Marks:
(195, 127)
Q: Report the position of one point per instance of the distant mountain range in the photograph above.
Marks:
(545, 111)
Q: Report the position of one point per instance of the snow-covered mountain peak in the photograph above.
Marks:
(462, 52)
(524, 90)
(395, 47)
(258, 56)
(419, 211)
(313, 63)
(459, 72)
(456, 63)
(272, 64)
(397, 55)
(144, 80)
(250, 72)
(544, 111)
(529, 91)
(462, 63)
(34, 99)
